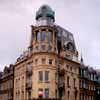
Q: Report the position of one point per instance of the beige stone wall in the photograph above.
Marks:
(70, 67)
(44, 67)
(19, 81)
(71, 71)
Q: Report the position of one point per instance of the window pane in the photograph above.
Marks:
(46, 75)
(68, 81)
(33, 36)
(46, 93)
(50, 61)
(40, 76)
(68, 94)
(36, 61)
(44, 36)
(38, 36)
(40, 93)
(50, 37)
(43, 47)
(43, 61)
(74, 81)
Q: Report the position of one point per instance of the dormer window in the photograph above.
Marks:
(70, 46)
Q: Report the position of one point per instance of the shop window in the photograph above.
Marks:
(47, 93)
(40, 93)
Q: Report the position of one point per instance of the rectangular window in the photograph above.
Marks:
(40, 93)
(47, 93)
(68, 95)
(46, 76)
(29, 94)
(50, 37)
(36, 61)
(68, 81)
(43, 61)
(50, 61)
(44, 36)
(74, 82)
(40, 76)
(38, 36)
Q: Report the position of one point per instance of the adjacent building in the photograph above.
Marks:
(6, 83)
(89, 83)
(98, 85)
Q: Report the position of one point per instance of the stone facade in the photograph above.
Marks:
(49, 69)
(89, 85)
(6, 83)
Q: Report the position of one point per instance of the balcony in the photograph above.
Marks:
(61, 84)
(61, 71)
(29, 71)
(29, 85)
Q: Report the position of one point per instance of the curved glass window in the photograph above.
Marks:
(38, 36)
(33, 37)
(43, 36)
(50, 37)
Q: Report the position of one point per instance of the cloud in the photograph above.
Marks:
(81, 17)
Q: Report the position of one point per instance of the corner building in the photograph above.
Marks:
(50, 67)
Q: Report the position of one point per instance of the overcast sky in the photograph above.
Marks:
(81, 17)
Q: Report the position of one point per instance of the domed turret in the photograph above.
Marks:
(45, 11)
(45, 15)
